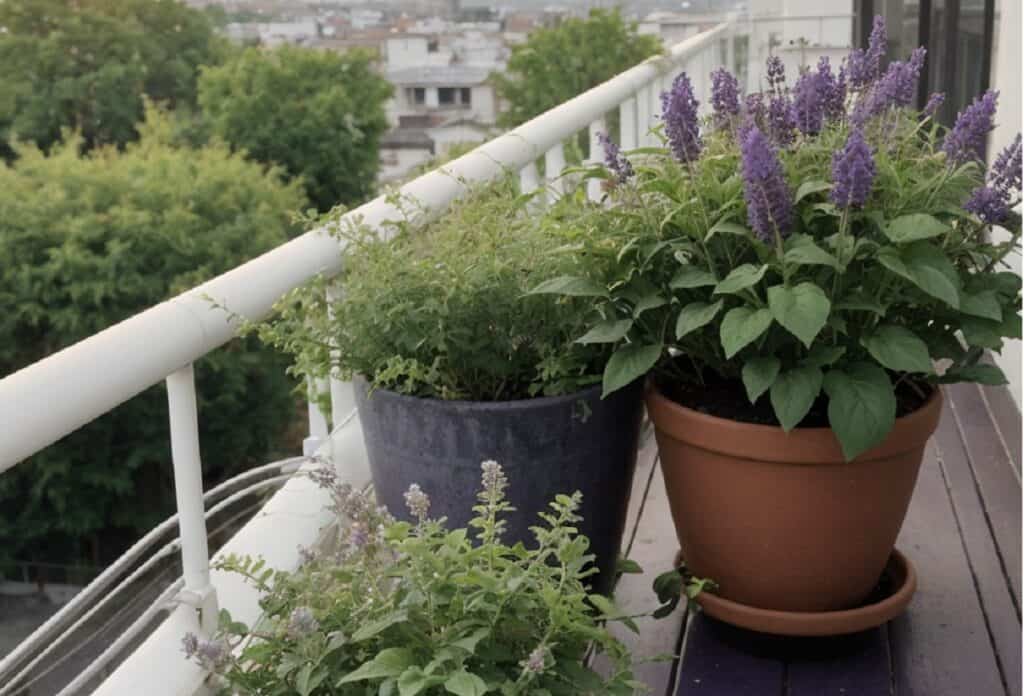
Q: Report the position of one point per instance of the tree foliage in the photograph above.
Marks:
(556, 64)
(318, 114)
(89, 240)
(88, 65)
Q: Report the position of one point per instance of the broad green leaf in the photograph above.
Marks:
(741, 326)
(898, 348)
(740, 278)
(627, 364)
(861, 407)
(982, 374)
(1005, 283)
(469, 643)
(691, 277)
(413, 681)
(802, 309)
(646, 302)
(369, 630)
(860, 303)
(823, 356)
(609, 331)
(983, 304)
(806, 253)
(793, 393)
(728, 228)
(695, 315)
(809, 187)
(389, 662)
(926, 267)
(982, 333)
(913, 228)
(464, 683)
(759, 374)
(604, 605)
(570, 285)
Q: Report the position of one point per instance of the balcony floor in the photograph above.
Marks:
(962, 631)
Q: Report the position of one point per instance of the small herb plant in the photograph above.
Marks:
(406, 609)
(820, 245)
(443, 311)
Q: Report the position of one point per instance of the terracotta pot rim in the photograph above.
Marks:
(770, 443)
(825, 623)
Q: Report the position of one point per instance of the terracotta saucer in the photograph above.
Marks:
(899, 580)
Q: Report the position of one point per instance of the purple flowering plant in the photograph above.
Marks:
(386, 606)
(816, 255)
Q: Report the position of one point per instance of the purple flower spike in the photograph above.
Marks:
(896, 88)
(614, 160)
(769, 203)
(833, 90)
(967, 139)
(725, 96)
(989, 204)
(853, 172)
(935, 102)
(781, 122)
(864, 67)
(753, 110)
(776, 73)
(809, 103)
(679, 111)
(1006, 170)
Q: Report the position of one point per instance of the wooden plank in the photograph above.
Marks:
(1002, 615)
(940, 646)
(854, 665)
(1006, 414)
(719, 660)
(997, 481)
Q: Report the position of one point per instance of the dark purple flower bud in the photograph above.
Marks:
(614, 160)
(679, 112)
(1006, 170)
(809, 103)
(988, 203)
(769, 203)
(776, 73)
(833, 90)
(781, 123)
(753, 110)
(853, 172)
(725, 97)
(895, 89)
(935, 101)
(967, 139)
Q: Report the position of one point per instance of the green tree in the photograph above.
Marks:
(88, 64)
(318, 114)
(89, 240)
(556, 64)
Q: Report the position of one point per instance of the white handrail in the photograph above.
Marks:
(51, 398)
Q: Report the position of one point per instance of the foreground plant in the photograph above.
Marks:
(819, 247)
(399, 608)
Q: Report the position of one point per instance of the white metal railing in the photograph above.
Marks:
(161, 343)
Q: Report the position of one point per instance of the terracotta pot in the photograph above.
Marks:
(780, 521)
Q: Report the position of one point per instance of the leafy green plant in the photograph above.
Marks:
(442, 312)
(818, 248)
(397, 608)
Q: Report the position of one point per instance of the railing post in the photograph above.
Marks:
(554, 164)
(627, 124)
(594, 156)
(643, 116)
(529, 178)
(318, 430)
(188, 490)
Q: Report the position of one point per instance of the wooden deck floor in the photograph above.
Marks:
(962, 632)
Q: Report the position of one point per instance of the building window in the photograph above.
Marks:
(446, 96)
(467, 96)
(416, 95)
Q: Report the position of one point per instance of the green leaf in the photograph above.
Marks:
(604, 605)
(413, 681)
(740, 278)
(741, 326)
(691, 277)
(982, 333)
(802, 309)
(469, 643)
(982, 374)
(369, 630)
(804, 252)
(926, 267)
(759, 374)
(823, 356)
(983, 304)
(463, 683)
(627, 364)
(793, 393)
(861, 407)
(646, 302)
(389, 662)
(695, 315)
(898, 348)
(728, 228)
(914, 227)
(609, 331)
(809, 187)
(570, 285)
